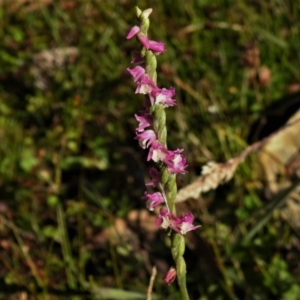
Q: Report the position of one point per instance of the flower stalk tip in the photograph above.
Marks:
(146, 13)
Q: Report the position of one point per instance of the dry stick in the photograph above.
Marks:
(150, 287)
(214, 174)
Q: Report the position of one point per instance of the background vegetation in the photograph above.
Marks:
(71, 176)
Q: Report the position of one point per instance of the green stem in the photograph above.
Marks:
(71, 269)
(178, 248)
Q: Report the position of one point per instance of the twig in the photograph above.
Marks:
(213, 174)
(150, 287)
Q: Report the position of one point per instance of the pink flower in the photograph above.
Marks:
(145, 120)
(182, 224)
(153, 200)
(156, 47)
(170, 276)
(155, 176)
(157, 152)
(175, 161)
(185, 224)
(146, 138)
(163, 96)
(137, 72)
(145, 85)
(164, 219)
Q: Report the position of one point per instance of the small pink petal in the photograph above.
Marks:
(137, 72)
(132, 32)
(170, 276)
(156, 47)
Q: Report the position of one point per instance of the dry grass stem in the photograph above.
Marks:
(213, 174)
(150, 287)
